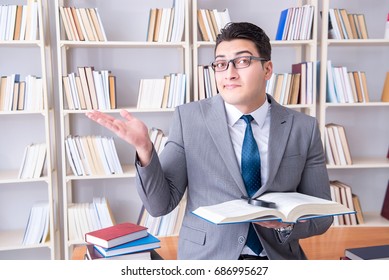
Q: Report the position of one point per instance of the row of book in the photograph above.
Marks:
(167, 24)
(37, 229)
(33, 162)
(167, 225)
(346, 86)
(158, 138)
(21, 95)
(295, 87)
(168, 92)
(296, 23)
(343, 25)
(92, 155)
(206, 83)
(342, 193)
(210, 22)
(122, 241)
(19, 22)
(86, 217)
(336, 144)
(82, 24)
(90, 89)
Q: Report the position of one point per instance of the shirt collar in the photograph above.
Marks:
(259, 115)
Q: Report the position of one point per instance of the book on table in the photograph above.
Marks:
(379, 252)
(92, 254)
(115, 235)
(289, 208)
(143, 244)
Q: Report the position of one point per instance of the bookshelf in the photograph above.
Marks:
(129, 55)
(365, 123)
(284, 52)
(23, 127)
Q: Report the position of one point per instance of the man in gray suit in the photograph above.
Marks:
(203, 155)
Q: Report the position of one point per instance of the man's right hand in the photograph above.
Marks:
(130, 129)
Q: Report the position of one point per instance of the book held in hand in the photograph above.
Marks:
(290, 208)
(115, 235)
(380, 252)
(143, 244)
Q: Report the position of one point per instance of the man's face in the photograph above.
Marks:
(244, 88)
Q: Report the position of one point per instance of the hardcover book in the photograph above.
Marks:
(115, 235)
(92, 254)
(380, 252)
(289, 208)
(146, 243)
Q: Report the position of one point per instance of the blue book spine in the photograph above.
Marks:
(281, 24)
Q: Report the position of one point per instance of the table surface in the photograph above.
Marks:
(328, 246)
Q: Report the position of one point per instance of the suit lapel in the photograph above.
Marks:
(215, 119)
(280, 127)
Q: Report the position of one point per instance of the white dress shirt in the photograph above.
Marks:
(261, 128)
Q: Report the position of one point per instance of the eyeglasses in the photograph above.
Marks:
(239, 62)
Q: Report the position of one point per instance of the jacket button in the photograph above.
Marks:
(241, 239)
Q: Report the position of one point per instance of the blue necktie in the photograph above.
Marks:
(251, 173)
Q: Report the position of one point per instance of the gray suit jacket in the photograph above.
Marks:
(199, 158)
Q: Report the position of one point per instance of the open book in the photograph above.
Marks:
(290, 207)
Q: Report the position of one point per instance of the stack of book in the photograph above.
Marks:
(121, 241)
(295, 87)
(167, 24)
(19, 22)
(167, 92)
(37, 229)
(92, 155)
(210, 22)
(342, 25)
(296, 23)
(21, 95)
(86, 217)
(346, 86)
(378, 252)
(336, 144)
(33, 161)
(91, 89)
(206, 82)
(342, 193)
(82, 24)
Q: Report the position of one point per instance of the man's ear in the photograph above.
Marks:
(268, 67)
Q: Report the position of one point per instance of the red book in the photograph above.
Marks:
(385, 205)
(116, 235)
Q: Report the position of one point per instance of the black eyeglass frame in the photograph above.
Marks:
(250, 57)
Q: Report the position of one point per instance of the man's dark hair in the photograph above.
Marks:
(248, 31)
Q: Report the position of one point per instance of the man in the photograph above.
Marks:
(204, 156)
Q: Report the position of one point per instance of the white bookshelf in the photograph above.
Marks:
(19, 129)
(284, 53)
(365, 123)
(131, 58)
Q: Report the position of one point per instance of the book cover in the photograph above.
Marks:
(92, 254)
(115, 235)
(290, 208)
(380, 252)
(143, 244)
(385, 204)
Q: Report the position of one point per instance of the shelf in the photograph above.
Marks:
(12, 240)
(275, 43)
(358, 42)
(8, 177)
(363, 163)
(128, 172)
(27, 44)
(116, 111)
(371, 219)
(120, 44)
(358, 104)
